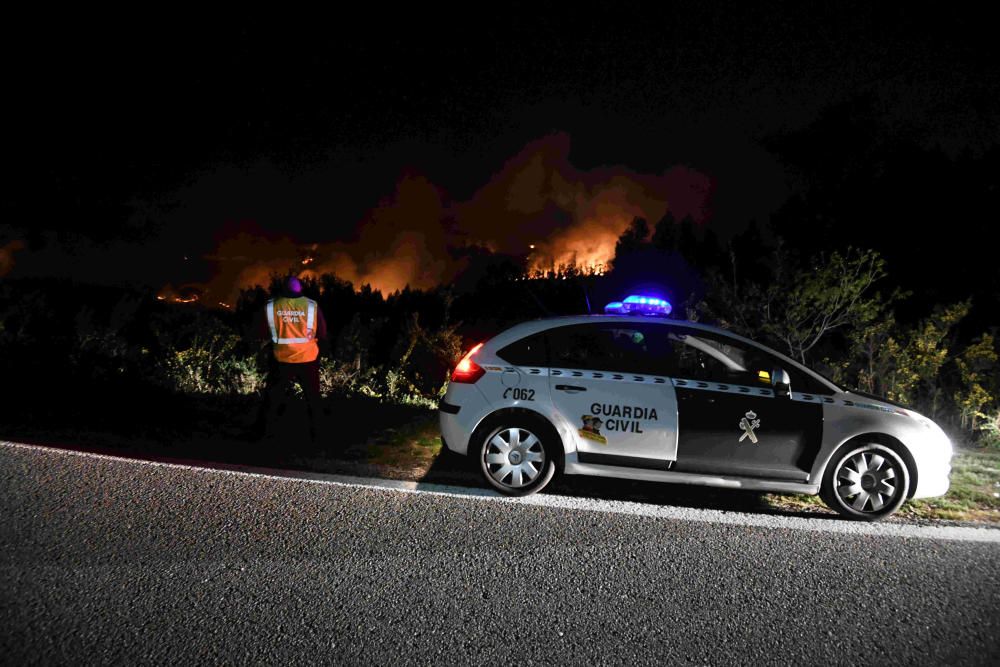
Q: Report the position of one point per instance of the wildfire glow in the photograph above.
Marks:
(186, 294)
(415, 236)
(7, 255)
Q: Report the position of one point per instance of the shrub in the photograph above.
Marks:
(199, 351)
(337, 378)
(210, 363)
(989, 430)
(975, 366)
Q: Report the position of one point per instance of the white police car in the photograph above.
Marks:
(648, 398)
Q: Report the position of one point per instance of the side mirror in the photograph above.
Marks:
(781, 383)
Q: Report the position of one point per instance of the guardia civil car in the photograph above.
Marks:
(637, 397)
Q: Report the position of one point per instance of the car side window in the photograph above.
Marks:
(704, 356)
(621, 348)
(528, 351)
(699, 357)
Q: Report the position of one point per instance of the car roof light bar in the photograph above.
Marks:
(636, 304)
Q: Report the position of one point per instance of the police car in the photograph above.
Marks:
(633, 395)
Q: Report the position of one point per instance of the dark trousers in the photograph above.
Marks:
(279, 379)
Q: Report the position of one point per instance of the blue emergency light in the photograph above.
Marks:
(639, 305)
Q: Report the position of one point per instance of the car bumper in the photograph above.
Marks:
(933, 480)
(461, 410)
(933, 467)
(451, 433)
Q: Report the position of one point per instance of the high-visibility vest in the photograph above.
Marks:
(293, 329)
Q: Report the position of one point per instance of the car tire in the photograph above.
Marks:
(865, 481)
(518, 456)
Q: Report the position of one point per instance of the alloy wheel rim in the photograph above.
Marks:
(868, 481)
(514, 457)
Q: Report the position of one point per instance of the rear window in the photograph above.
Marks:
(529, 351)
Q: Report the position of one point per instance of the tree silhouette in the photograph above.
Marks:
(632, 239)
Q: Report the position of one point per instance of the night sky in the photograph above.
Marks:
(132, 146)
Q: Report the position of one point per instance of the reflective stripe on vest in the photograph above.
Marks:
(270, 321)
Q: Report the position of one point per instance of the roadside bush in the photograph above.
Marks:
(422, 359)
(978, 384)
(337, 378)
(100, 352)
(199, 352)
(989, 431)
(209, 366)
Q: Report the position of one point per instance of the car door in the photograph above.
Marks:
(731, 421)
(600, 382)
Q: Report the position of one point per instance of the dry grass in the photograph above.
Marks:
(413, 446)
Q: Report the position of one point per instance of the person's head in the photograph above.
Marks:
(293, 286)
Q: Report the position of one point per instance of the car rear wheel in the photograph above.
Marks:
(866, 481)
(516, 458)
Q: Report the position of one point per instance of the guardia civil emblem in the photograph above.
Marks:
(748, 424)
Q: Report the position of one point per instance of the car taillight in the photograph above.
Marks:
(467, 370)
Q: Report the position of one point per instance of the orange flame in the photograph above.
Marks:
(571, 217)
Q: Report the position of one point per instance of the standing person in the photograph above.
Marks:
(294, 324)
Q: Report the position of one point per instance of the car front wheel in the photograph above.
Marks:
(866, 481)
(516, 459)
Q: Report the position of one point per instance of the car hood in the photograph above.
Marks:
(880, 399)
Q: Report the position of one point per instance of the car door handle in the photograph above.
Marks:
(569, 387)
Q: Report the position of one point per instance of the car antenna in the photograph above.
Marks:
(586, 298)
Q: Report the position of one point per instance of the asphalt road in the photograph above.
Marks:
(105, 560)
